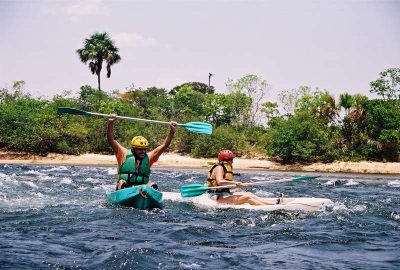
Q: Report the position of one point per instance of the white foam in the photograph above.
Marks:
(339, 206)
(395, 216)
(260, 178)
(395, 183)
(111, 171)
(66, 181)
(359, 208)
(190, 179)
(351, 182)
(58, 168)
(32, 185)
(34, 172)
(189, 266)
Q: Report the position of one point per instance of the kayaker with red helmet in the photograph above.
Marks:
(134, 164)
(221, 174)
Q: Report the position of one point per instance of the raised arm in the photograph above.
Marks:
(167, 141)
(110, 134)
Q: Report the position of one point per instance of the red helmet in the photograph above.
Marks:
(225, 155)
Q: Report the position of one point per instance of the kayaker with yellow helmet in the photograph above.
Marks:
(221, 174)
(134, 164)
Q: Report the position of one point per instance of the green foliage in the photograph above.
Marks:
(319, 103)
(302, 139)
(222, 138)
(196, 86)
(388, 84)
(346, 101)
(256, 89)
(218, 109)
(188, 104)
(382, 124)
(381, 115)
(288, 98)
(151, 103)
(28, 125)
(270, 110)
(309, 131)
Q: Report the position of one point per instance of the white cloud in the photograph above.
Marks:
(83, 8)
(134, 40)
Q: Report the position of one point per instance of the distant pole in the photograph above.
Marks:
(209, 79)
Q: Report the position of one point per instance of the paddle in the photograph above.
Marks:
(193, 190)
(195, 127)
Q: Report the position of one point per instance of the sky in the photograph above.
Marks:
(340, 46)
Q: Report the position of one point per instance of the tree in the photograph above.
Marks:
(382, 123)
(196, 86)
(301, 138)
(346, 101)
(270, 110)
(306, 101)
(97, 49)
(17, 92)
(91, 98)
(288, 98)
(187, 103)
(218, 109)
(253, 87)
(152, 102)
(388, 85)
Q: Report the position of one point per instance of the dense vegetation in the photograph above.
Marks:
(313, 127)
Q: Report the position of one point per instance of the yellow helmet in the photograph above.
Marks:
(139, 142)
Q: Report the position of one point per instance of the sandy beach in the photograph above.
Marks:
(179, 161)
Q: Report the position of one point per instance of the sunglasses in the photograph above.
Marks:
(231, 159)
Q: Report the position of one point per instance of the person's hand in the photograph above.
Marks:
(121, 184)
(238, 184)
(112, 118)
(172, 126)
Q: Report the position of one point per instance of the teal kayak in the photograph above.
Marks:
(141, 197)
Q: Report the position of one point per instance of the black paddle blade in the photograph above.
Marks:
(71, 111)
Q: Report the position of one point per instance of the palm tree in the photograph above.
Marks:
(98, 48)
(346, 101)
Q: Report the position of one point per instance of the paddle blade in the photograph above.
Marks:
(71, 111)
(302, 178)
(199, 127)
(193, 190)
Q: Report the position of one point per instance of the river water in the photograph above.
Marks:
(56, 217)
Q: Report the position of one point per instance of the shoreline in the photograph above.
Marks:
(173, 160)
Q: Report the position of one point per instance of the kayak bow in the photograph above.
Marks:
(141, 197)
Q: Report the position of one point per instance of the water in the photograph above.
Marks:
(56, 217)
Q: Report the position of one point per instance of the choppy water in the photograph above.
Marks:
(56, 217)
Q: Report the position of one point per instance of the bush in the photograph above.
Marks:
(302, 139)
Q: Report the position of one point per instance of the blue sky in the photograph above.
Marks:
(340, 46)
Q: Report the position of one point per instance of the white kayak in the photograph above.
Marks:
(307, 204)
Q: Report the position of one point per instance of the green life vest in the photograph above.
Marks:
(132, 175)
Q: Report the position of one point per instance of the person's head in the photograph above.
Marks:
(139, 146)
(225, 155)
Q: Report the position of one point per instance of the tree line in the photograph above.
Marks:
(311, 125)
